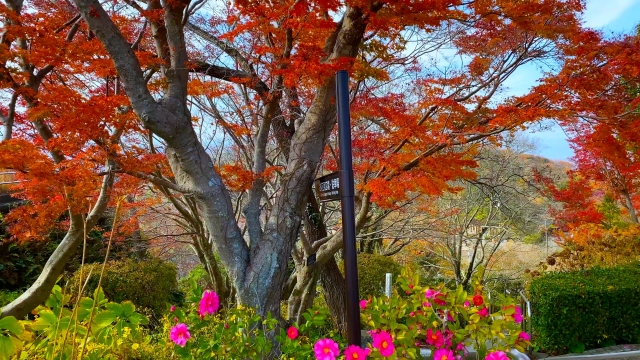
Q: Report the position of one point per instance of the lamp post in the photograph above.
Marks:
(348, 207)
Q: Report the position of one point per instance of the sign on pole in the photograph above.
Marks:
(328, 187)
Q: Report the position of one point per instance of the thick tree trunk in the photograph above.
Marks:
(257, 268)
(334, 288)
(303, 294)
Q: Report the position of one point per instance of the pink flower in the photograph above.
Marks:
(209, 303)
(478, 300)
(443, 354)
(292, 333)
(524, 336)
(173, 308)
(484, 312)
(326, 349)
(384, 343)
(179, 334)
(517, 317)
(426, 304)
(354, 352)
(430, 294)
(435, 338)
(363, 304)
(496, 355)
(466, 304)
(460, 347)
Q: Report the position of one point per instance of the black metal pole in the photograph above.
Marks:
(348, 208)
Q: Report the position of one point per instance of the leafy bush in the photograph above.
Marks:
(371, 273)
(8, 296)
(21, 262)
(149, 284)
(449, 320)
(60, 329)
(583, 309)
(197, 274)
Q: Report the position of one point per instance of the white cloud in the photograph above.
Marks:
(599, 13)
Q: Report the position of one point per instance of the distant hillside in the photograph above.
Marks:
(555, 169)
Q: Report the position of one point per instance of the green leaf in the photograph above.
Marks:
(128, 308)
(46, 319)
(12, 325)
(137, 319)
(9, 346)
(115, 308)
(84, 308)
(104, 318)
(98, 295)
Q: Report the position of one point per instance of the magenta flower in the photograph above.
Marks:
(384, 343)
(179, 334)
(430, 294)
(466, 304)
(484, 312)
(524, 336)
(426, 304)
(209, 303)
(443, 354)
(173, 308)
(326, 349)
(496, 355)
(363, 304)
(517, 316)
(435, 338)
(354, 352)
(460, 347)
(292, 333)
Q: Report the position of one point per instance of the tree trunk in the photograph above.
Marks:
(334, 288)
(41, 288)
(220, 283)
(257, 268)
(629, 206)
(304, 292)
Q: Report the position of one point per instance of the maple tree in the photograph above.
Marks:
(599, 111)
(138, 86)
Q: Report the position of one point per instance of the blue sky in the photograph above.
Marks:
(611, 16)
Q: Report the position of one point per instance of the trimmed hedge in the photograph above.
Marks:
(586, 309)
(150, 284)
(371, 273)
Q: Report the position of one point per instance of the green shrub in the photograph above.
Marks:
(585, 309)
(149, 284)
(371, 273)
(197, 274)
(60, 329)
(8, 296)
